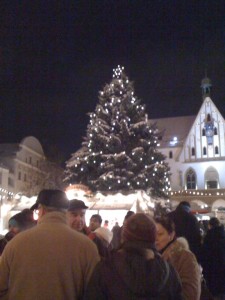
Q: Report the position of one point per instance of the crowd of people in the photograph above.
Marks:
(61, 257)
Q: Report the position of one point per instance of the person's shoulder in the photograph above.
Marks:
(186, 255)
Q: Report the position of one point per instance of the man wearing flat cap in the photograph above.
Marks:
(76, 215)
(48, 261)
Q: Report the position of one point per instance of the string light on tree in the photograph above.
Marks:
(118, 72)
(121, 144)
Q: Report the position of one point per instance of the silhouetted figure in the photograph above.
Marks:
(213, 258)
(186, 225)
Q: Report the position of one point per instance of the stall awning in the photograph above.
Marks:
(108, 205)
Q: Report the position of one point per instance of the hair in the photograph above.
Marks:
(166, 222)
(214, 222)
(97, 217)
(129, 214)
(184, 203)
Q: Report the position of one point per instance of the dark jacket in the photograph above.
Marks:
(3, 242)
(103, 250)
(187, 225)
(128, 274)
(213, 260)
(116, 230)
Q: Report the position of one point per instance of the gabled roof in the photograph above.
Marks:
(175, 127)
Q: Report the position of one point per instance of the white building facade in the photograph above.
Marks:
(24, 165)
(195, 151)
(21, 176)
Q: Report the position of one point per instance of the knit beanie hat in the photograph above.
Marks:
(139, 228)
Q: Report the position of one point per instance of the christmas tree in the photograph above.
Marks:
(119, 152)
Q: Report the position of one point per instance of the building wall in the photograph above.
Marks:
(198, 152)
(25, 167)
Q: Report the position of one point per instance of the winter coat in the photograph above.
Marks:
(49, 261)
(213, 260)
(127, 274)
(184, 262)
(187, 225)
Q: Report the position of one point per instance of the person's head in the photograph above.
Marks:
(29, 218)
(213, 222)
(95, 222)
(49, 201)
(184, 205)
(128, 215)
(165, 232)
(139, 228)
(16, 224)
(76, 214)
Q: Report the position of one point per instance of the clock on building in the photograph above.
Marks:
(209, 132)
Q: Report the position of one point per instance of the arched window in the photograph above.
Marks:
(216, 150)
(215, 131)
(204, 150)
(191, 180)
(211, 178)
(193, 151)
(171, 154)
(208, 118)
(203, 132)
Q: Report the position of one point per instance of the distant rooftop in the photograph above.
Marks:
(174, 128)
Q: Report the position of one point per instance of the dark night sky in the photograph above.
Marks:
(56, 55)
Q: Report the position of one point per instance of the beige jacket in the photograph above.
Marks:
(186, 265)
(48, 262)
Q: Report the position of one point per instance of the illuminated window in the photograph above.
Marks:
(191, 180)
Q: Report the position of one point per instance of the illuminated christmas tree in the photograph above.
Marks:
(119, 152)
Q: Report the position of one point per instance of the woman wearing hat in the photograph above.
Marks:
(176, 251)
(135, 271)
